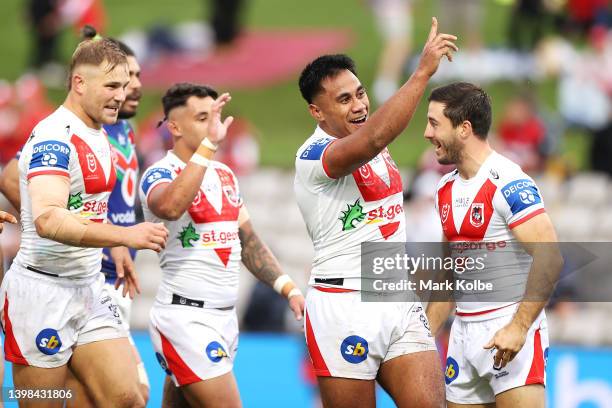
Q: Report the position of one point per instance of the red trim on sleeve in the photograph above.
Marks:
(320, 368)
(176, 365)
(536, 372)
(49, 173)
(11, 348)
(526, 218)
(323, 160)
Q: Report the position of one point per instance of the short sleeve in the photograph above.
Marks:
(49, 157)
(520, 200)
(154, 177)
(309, 163)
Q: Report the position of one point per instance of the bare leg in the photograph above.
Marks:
(108, 369)
(414, 380)
(347, 392)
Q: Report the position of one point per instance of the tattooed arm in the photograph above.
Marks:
(262, 263)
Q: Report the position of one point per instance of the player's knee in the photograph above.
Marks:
(128, 399)
(144, 393)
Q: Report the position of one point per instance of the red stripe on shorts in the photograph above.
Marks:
(320, 368)
(464, 314)
(536, 372)
(176, 365)
(333, 290)
(11, 348)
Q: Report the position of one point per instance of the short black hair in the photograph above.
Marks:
(465, 101)
(325, 66)
(89, 32)
(178, 94)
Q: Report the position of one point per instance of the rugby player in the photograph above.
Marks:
(121, 212)
(55, 309)
(120, 209)
(344, 172)
(193, 324)
(498, 345)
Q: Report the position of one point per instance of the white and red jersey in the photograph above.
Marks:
(340, 214)
(485, 209)
(63, 145)
(201, 260)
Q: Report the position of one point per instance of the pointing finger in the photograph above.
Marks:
(434, 29)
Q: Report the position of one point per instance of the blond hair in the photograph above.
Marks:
(94, 52)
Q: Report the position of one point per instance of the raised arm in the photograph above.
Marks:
(169, 201)
(345, 155)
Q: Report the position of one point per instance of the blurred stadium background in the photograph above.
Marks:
(547, 65)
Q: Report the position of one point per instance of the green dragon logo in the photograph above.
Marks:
(75, 201)
(187, 235)
(353, 214)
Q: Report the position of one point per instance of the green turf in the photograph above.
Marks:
(278, 112)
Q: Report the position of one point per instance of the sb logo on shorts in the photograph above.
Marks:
(48, 341)
(215, 351)
(354, 349)
(452, 370)
(162, 362)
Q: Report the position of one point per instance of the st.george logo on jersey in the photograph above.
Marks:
(477, 214)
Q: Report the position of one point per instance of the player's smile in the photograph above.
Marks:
(359, 120)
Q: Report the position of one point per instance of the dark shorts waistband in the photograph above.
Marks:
(183, 301)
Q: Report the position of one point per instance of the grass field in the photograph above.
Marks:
(278, 112)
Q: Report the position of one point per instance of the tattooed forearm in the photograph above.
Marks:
(256, 255)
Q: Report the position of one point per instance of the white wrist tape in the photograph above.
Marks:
(294, 292)
(209, 145)
(200, 160)
(280, 282)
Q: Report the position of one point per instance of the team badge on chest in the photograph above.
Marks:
(445, 212)
(477, 214)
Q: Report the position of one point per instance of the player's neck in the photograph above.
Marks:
(182, 152)
(76, 108)
(472, 159)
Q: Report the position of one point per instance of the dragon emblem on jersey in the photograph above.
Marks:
(445, 212)
(477, 214)
(187, 235)
(75, 201)
(353, 215)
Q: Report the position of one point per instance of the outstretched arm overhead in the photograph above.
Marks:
(346, 154)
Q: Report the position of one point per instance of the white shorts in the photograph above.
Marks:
(45, 317)
(350, 338)
(124, 304)
(193, 344)
(470, 376)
